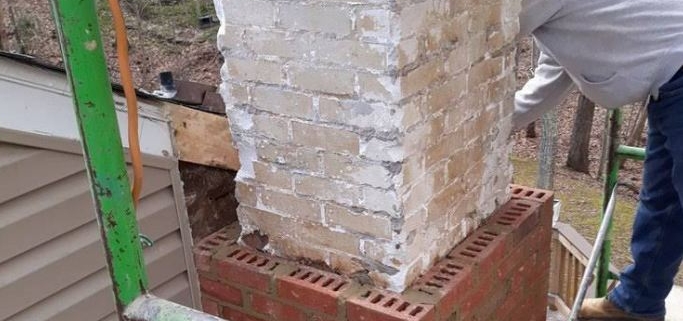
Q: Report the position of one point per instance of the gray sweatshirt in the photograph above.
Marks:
(616, 52)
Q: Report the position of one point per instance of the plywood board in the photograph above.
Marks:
(202, 138)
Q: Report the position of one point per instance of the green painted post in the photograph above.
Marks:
(613, 163)
(86, 67)
(635, 153)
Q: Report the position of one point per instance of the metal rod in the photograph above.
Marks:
(613, 164)
(595, 254)
(86, 68)
(635, 153)
(151, 308)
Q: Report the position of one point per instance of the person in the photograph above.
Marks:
(618, 52)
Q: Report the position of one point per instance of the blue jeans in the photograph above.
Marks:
(657, 242)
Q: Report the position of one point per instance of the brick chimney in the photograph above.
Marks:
(372, 133)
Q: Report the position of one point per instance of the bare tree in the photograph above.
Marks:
(636, 130)
(579, 148)
(531, 130)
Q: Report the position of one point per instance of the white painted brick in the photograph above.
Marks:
(381, 150)
(284, 102)
(248, 12)
(356, 171)
(325, 80)
(377, 116)
(254, 70)
(329, 19)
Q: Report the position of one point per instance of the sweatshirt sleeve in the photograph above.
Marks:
(544, 91)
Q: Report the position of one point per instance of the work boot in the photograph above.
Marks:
(603, 310)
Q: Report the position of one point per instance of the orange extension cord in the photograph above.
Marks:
(131, 97)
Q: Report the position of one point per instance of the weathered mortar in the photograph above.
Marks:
(372, 133)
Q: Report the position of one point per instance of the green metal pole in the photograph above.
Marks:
(86, 67)
(635, 153)
(613, 163)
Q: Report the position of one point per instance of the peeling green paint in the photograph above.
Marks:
(86, 67)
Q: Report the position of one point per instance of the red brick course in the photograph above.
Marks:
(499, 273)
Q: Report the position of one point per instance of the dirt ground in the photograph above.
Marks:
(161, 38)
(166, 38)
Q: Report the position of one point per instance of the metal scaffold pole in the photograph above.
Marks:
(86, 67)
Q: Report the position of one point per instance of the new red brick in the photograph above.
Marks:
(207, 247)
(450, 280)
(314, 289)
(248, 268)
(384, 306)
(276, 310)
(543, 197)
(485, 249)
(222, 292)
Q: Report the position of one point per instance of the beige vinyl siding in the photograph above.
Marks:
(52, 263)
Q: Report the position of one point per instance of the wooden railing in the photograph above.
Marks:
(569, 257)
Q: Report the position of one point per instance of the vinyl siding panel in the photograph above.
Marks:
(52, 263)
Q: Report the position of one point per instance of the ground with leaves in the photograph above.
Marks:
(161, 38)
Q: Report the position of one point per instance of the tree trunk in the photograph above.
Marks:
(3, 31)
(637, 130)
(579, 148)
(547, 150)
(531, 130)
(605, 143)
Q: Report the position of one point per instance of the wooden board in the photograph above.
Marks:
(202, 138)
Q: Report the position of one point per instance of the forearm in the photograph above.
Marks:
(543, 92)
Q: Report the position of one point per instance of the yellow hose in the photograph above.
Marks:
(131, 98)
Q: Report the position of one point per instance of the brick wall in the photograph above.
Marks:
(499, 273)
(373, 133)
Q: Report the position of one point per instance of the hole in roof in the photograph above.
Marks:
(252, 259)
(475, 249)
(517, 190)
(540, 195)
(328, 282)
(305, 276)
(233, 253)
(503, 223)
(213, 242)
(403, 307)
(263, 262)
(294, 273)
(491, 233)
(366, 294)
(529, 193)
